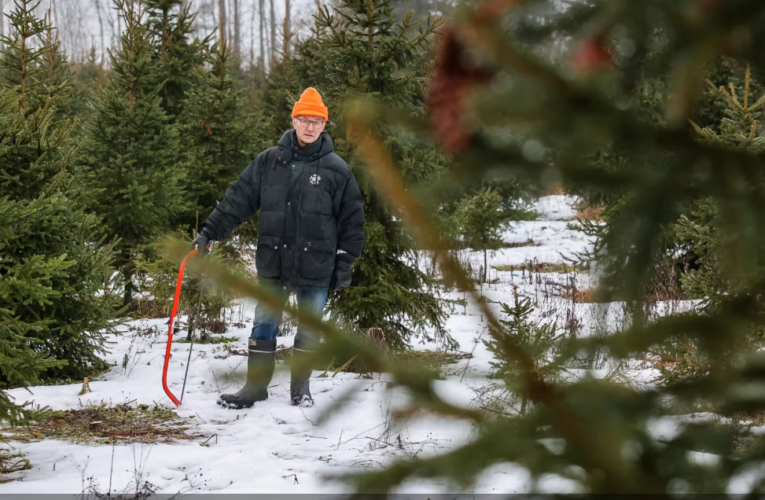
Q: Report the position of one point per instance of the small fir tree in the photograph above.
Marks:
(133, 155)
(720, 259)
(717, 252)
(541, 342)
(55, 71)
(32, 59)
(22, 53)
(21, 363)
(482, 221)
(55, 264)
(178, 53)
(88, 77)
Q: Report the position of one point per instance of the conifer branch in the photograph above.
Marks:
(370, 15)
(746, 87)
(731, 99)
(49, 47)
(696, 127)
(733, 93)
(758, 104)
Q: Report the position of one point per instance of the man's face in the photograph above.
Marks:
(308, 128)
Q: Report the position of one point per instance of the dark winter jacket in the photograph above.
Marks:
(311, 225)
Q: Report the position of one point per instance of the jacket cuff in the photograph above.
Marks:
(209, 230)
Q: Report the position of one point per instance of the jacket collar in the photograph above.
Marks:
(289, 148)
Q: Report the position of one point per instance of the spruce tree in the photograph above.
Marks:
(134, 161)
(177, 52)
(55, 71)
(713, 274)
(23, 52)
(88, 76)
(365, 50)
(55, 270)
(540, 340)
(481, 221)
(718, 255)
(21, 363)
(218, 134)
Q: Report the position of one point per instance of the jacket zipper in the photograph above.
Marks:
(296, 251)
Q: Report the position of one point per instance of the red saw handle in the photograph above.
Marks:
(170, 332)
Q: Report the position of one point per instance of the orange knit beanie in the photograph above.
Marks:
(310, 104)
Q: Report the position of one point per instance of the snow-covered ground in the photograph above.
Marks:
(547, 239)
(276, 448)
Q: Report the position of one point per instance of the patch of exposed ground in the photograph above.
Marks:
(104, 425)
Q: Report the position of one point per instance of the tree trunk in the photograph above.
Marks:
(485, 262)
(262, 38)
(252, 46)
(130, 27)
(213, 20)
(165, 31)
(110, 23)
(23, 64)
(2, 18)
(273, 31)
(100, 26)
(237, 30)
(222, 9)
(229, 10)
(49, 46)
(82, 38)
(127, 275)
(253, 11)
(371, 35)
(119, 31)
(287, 30)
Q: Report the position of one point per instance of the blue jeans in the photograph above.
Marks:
(267, 321)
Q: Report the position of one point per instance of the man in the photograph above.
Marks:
(311, 229)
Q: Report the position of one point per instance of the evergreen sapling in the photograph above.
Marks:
(55, 269)
(541, 341)
(134, 159)
(482, 221)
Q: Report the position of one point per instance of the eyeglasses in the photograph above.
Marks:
(306, 123)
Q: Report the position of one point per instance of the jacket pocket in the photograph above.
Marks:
(267, 257)
(318, 260)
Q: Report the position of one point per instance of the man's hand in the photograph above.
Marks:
(341, 278)
(202, 243)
